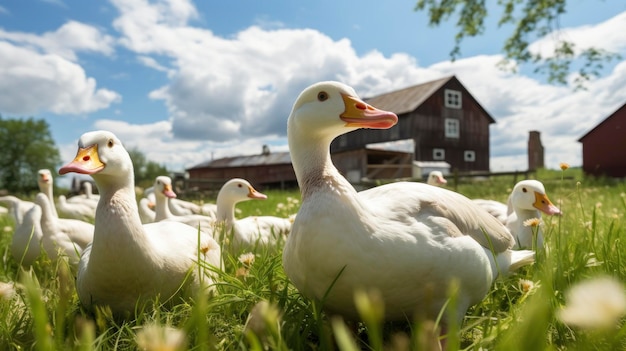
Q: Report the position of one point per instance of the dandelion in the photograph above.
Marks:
(526, 285)
(532, 222)
(563, 166)
(594, 304)
(247, 259)
(161, 338)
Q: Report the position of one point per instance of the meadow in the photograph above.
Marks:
(257, 308)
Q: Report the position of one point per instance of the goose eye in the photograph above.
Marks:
(322, 96)
(110, 143)
(239, 185)
(524, 190)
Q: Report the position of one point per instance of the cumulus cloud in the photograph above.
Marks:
(31, 82)
(607, 35)
(70, 38)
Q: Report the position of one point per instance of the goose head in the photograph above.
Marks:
(163, 187)
(326, 110)
(531, 195)
(101, 155)
(238, 190)
(436, 178)
(44, 179)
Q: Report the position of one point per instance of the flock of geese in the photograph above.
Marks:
(407, 240)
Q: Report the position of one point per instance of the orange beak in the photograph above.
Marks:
(361, 115)
(543, 204)
(86, 161)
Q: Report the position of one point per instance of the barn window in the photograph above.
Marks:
(469, 156)
(439, 154)
(452, 99)
(452, 128)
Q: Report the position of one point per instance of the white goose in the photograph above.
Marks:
(129, 264)
(146, 210)
(407, 240)
(495, 208)
(46, 186)
(527, 199)
(16, 207)
(55, 242)
(76, 210)
(26, 241)
(163, 193)
(436, 178)
(180, 207)
(251, 232)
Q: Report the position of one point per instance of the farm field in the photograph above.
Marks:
(257, 308)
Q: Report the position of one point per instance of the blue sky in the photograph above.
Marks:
(186, 81)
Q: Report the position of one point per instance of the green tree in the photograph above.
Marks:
(26, 146)
(145, 170)
(531, 19)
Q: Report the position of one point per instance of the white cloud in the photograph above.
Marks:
(607, 35)
(31, 82)
(70, 38)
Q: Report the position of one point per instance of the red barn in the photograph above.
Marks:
(604, 147)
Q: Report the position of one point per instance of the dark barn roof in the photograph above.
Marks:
(273, 158)
(409, 99)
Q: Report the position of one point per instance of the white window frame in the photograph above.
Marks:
(469, 156)
(452, 99)
(452, 128)
(439, 154)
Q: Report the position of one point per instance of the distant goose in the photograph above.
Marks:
(248, 233)
(128, 265)
(528, 199)
(163, 193)
(409, 241)
(436, 178)
(76, 210)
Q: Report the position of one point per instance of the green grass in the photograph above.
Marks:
(583, 243)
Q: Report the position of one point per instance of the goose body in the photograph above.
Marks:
(407, 240)
(249, 233)
(76, 210)
(16, 207)
(495, 208)
(528, 200)
(128, 264)
(26, 241)
(55, 241)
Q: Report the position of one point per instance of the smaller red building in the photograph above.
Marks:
(604, 147)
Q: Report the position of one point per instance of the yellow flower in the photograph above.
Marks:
(532, 222)
(563, 166)
(247, 259)
(595, 303)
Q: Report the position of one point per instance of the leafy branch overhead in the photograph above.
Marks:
(531, 20)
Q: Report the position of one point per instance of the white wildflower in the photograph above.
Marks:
(595, 303)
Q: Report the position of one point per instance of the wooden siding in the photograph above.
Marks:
(604, 147)
(265, 176)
